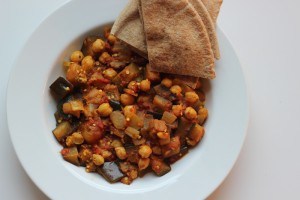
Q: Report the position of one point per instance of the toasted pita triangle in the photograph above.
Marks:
(209, 25)
(213, 7)
(129, 28)
(176, 37)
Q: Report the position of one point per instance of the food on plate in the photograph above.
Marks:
(120, 119)
(132, 101)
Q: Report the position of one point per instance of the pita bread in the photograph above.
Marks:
(209, 25)
(213, 7)
(176, 37)
(129, 28)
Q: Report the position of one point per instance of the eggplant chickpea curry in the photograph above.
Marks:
(132, 101)
(117, 118)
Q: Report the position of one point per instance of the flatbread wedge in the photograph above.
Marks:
(128, 28)
(213, 7)
(209, 25)
(176, 37)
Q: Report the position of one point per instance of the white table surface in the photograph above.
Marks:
(265, 35)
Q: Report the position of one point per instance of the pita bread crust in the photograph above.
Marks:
(129, 28)
(213, 7)
(173, 42)
(209, 25)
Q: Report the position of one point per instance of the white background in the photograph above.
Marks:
(265, 35)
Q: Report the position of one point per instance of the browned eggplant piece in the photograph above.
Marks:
(62, 130)
(173, 126)
(164, 92)
(71, 155)
(136, 121)
(117, 132)
(162, 103)
(126, 75)
(159, 167)
(195, 135)
(132, 154)
(87, 46)
(183, 129)
(111, 172)
(172, 148)
(112, 92)
(116, 105)
(201, 95)
(168, 117)
(156, 115)
(183, 151)
(132, 132)
(60, 115)
(142, 173)
(61, 87)
(150, 75)
(197, 105)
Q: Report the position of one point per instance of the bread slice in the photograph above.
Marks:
(213, 7)
(129, 28)
(209, 25)
(176, 38)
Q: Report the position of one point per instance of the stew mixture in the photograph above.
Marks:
(118, 118)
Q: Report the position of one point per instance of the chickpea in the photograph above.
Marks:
(106, 154)
(86, 155)
(98, 46)
(127, 99)
(143, 163)
(202, 115)
(104, 110)
(104, 57)
(111, 39)
(145, 85)
(133, 174)
(87, 63)
(116, 143)
(69, 141)
(90, 167)
(98, 159)
(129, 110)
(190, 113)
(176, 89)
(177, 110)
(191, 97)
(167, 82)
(126, 180)
(76, 56)
(77, 138)
(133, 85)
(109, 73)
(163, 135)
(145, 151)
(121, 153)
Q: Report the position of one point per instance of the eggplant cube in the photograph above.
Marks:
(111, 172)
(61, 87)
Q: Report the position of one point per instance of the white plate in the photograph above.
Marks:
(30, 116)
